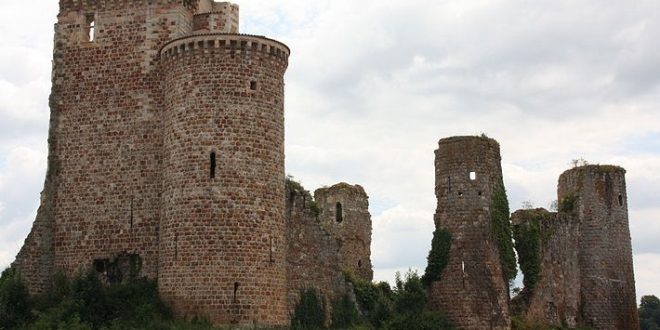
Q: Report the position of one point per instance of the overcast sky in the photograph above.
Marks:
(373, 85)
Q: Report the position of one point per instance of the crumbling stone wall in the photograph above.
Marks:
(344, 213)
(553, 295)
(312, 255)
(586, 271)
(607, 283)
(471, 289)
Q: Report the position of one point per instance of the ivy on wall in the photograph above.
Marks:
(502, 231)
(528, 244)
(438, 256)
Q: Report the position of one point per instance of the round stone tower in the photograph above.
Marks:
(222, 239)
(596, 196)
(471, 288)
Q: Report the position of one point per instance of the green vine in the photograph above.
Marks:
(438, 256)
(503, 232)
(528, 245)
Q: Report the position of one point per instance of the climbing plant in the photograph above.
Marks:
(503, 232)
(438, 256)
(528, 242)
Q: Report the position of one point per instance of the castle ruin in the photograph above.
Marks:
(166, 150)
(166, 158)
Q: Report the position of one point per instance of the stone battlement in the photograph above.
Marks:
(95, 5)
(230, 43)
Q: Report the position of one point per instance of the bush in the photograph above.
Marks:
(309, 313)
(649, 313)
(344, 313)
(14, 300)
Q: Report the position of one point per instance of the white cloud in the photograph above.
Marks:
(647, 266)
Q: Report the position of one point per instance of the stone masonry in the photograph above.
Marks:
(586, 263)
(471, 289)
(320, 249)
(166, 151)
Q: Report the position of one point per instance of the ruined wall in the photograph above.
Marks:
(222, 234)
(607, 284)
(313, 255)
(471, 289)
(345, 215)
(553, 295)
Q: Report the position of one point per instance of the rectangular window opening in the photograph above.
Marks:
(473, 176)
(213, 165)
(91, 27)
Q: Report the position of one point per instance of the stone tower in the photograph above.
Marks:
(222, 230)
(166, 152)
(345, 215)
(596, 195)
(471, 289)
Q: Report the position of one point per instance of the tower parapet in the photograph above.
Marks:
(221, 17)
(471, 289)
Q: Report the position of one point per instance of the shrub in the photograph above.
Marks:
(309, 313)
(14, 300)
(344, 313)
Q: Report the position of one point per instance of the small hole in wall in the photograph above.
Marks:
(460, 194)
(620, 200)
(359, 263)
(253, 85)
(480, 193)
(473, 176)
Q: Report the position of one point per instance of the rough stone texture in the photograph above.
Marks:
(555, 298)
(222, 235)
(586, 270)
(352, 228)
(607, 282)
(471, 289)
(167, 159)
(136, 111)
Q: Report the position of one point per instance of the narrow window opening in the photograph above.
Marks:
(213, 165)
(473, 176)
(253, 85)
(480, 193)
(236, 285)
(91, 27)
(272, 250)
(359, 263)
(449, 183)
(620, 200)
(176, 247)
(339, 213)
(460, 194)
(131, 213)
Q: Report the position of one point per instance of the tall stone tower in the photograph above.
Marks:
(222, 230)
(471, 288)
(166, 149)
(596, 195)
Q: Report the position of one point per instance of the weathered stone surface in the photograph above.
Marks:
(471, 289)
(586, 256)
